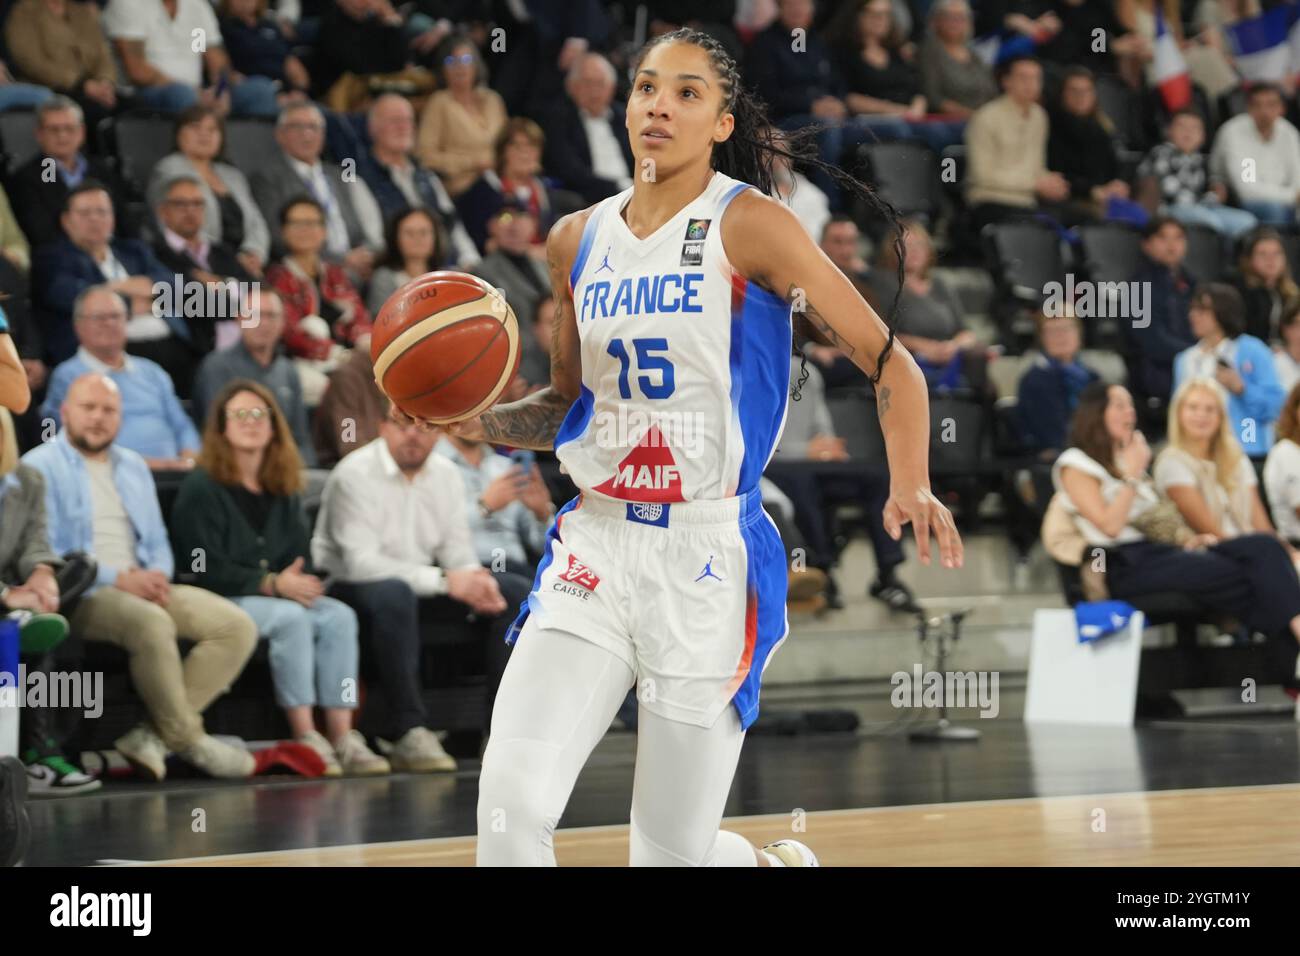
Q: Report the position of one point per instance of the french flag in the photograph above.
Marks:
(1172, 78)
(1262, 45)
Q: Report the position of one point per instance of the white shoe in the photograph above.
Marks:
(219, 759)
(418, 751)
(145, 751)
(317, 742)
(791, 853)
(357, 759)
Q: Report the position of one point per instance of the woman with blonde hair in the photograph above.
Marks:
(239, 527)
(1204, 471)
(1282, 469)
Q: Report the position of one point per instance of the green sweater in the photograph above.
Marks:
(234, 558)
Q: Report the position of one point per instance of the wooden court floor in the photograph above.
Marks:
(1222, 826)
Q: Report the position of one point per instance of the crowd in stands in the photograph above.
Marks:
(452, 134)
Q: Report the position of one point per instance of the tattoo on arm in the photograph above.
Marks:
(531, 422)
(882, 400)
(817, 322)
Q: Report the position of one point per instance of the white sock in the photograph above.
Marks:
(732, 849)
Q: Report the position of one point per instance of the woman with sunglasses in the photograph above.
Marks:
(462, 120)
(239, 527)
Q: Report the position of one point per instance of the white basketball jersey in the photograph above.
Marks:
(685, 363)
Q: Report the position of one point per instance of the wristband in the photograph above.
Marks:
(4, 323)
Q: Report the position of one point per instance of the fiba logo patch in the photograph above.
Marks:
(697, 229)
(648, 512)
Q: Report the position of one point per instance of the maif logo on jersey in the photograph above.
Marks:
(648, 473)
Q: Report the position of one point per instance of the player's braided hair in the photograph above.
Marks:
(755, 146)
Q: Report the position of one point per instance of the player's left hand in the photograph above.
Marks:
(927, 515)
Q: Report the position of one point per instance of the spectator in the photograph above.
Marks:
(323, 311)
(241, 509)
(930, 315)
(883, 88)
(1282, 470)
(394, 536)
(350, 410)
(809, 437)
(155, 40)
(808, 202)
(37, 594)
(587, 148)
(461, 122)
(523, 279)
(1203, 470)
(842, 243)
(1152, 341)
(954, 80)
(154, 425)
(798, 80)
(1049, 389)
(1241, 363)
(91, 255)
(508, 508)
(1006, 140)
(1103, 483)
(230, 216)
(1081, 147)
(59, 44)
(1074, 43)
(358, 39)
(535, 364)
(13, 244)
(100, 500)
(516, 171)
(1258, 154)
(355, 229)
(256, 357)
(40, 185)
(1205, 62)
(19, 96)
(193, 257)
(1286, 358)
(259, 45)
(1265, 283)
(398, 180)
(546, 39)
(416, 244)
(1174, 180)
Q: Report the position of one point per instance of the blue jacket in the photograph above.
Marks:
(71, 512)
(1046, 401)
(1256, 408)
(153, 423)
(60, 271)
(790, 79)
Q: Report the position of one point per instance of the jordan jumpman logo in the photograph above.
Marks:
(708, 571)
(604, 263)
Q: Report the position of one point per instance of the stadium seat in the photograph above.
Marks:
(906, 174)
(1205, 258)
(1025, 256)
(139, 140)
(855, 419)
(17, 138)
(1122, 106)
(248, 143)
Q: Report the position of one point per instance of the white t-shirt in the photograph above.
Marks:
(1145, 499)
(1175, 469)
(168, 44)
(1288, 370)
(607, 159)
(1282, 485)
(114, 535)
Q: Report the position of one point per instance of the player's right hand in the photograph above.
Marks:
(471, 429)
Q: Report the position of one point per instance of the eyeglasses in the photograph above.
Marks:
(186, 203)
(104, 316)
(304, 127)
(62, 129)
(250, 414)
(465, 59)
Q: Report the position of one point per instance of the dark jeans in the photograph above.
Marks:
(393, 622)
(36, 725)
(815, 487)
(1250, 577)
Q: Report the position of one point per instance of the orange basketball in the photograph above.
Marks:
(445, 346)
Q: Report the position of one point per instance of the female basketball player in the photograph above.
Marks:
(674, 308)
